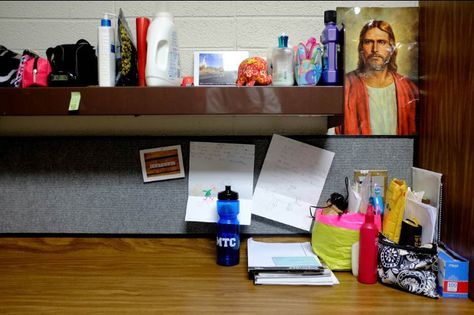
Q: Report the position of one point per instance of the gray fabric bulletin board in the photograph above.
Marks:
(94, 185)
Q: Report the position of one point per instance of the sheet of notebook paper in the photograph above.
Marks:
(291, 180)
(212, 166)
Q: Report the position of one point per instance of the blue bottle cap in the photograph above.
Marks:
(377, 189)
(283, 41)
(105, 21)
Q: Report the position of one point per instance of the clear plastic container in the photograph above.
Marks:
(282, 62)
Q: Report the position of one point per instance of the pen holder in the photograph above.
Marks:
(307, 73)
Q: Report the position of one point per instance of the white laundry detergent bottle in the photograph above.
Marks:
(162, 60)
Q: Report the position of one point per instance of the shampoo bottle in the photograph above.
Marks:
(368, 249)
(162, 59)
(106, 52)
(282, 63)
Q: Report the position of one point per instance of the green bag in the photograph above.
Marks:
(333, 236)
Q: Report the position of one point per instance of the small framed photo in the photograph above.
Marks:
(162, 163)
(217, 67)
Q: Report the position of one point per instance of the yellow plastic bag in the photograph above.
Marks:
(333, 236)
(334, 245)
(394, 209)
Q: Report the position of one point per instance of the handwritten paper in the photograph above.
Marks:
(291, 180)
(212, 166)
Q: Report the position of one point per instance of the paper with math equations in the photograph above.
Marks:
(212, 166)
(291, 180)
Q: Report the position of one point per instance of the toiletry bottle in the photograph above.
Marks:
(282, 62)
(142, 24)
(355, 259)
(106, 52)
(368, 249)
(228, 228)
(162, 60)
(378, 202)
(331, 40)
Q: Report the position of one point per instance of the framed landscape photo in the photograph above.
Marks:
(217, 67)
(162, 163)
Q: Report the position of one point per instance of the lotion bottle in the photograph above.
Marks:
(282, 61)
(106, 52)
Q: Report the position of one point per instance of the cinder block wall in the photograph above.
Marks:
(201, 25)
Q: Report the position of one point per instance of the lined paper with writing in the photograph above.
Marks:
(212, 166)
(291, 180)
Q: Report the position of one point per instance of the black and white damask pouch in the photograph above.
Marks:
(408, 268)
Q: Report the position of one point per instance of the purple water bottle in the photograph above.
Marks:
(228, 228)
(330, 38)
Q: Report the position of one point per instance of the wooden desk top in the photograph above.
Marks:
(173, 276)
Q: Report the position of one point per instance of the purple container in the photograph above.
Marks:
(330, 38)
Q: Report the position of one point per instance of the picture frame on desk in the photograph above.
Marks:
(162, 163)
(217, 67)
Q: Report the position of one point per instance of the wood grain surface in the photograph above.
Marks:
(174, 276)
(446, 132)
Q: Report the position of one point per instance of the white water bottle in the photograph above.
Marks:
(106, 52)
(162, 59)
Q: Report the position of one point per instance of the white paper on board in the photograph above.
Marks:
(212, 166)
(291, 180)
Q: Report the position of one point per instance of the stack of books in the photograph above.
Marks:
(286, 264)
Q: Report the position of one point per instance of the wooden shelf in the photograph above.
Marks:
(218, 100)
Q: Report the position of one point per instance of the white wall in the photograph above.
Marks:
(201, 25)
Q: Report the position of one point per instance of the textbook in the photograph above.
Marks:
(286, 263)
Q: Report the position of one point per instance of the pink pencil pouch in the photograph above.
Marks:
(36, 72)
